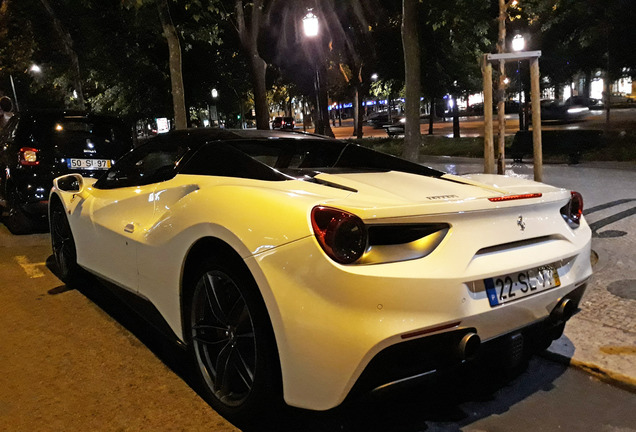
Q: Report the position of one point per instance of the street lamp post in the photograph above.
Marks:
(15, 95)
(214, 116)
(311, 27)
(34, 69)
(518, 44)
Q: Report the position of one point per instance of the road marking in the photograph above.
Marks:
(611, 349)
(31, 269)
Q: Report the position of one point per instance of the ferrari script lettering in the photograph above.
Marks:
(441, 197)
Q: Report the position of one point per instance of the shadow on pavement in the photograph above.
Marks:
(442, 403)
(445, 402)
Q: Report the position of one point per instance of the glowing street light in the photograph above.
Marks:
(35, 69)
(310, 24)
(518, 43)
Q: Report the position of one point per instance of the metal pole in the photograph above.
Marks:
(521, 117)
(15, 95)
(318, 121)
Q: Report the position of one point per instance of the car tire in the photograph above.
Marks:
(63, 245)
(231, 342)
(16, 220)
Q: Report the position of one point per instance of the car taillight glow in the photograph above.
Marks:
(342, 235)
(573, 210)
(29, 156)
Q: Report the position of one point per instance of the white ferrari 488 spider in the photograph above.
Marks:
(305, 270)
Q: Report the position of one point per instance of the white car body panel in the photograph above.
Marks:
(314, 302)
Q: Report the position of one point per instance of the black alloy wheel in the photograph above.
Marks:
(231, 342)
(63, 245)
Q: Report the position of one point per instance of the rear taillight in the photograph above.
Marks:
(29, 156)
(573, 210)
(342, 235)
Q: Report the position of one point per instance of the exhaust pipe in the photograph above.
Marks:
(563, 311)
(468, 347)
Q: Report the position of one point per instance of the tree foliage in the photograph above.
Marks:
(576, 36)
(243, 48)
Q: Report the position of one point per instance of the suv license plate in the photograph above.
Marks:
(515, 286)
(88, 164)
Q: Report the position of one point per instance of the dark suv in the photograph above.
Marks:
(36, 147)
(283, 123)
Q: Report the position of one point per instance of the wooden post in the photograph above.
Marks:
(489, 146)
(501, 119)
(501, 89)
(536, 119)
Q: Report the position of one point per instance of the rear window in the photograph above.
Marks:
(47, 131)
(281, 159)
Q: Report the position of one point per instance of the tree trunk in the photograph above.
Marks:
(324, 105)
(357, 112)
(360, 101)
(259, 69)
(248, 36)
(176, 78)
(607, 97)
(587, 86)
(410, 43)
(67, 44)
(431, 117)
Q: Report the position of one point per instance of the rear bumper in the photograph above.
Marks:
(402, 363)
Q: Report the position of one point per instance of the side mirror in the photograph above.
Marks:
(69, 183)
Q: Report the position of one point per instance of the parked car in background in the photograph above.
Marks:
(396, 128)
(552, 110)
(620, 100)
(36, 147)
(591, 103)
(283, 123)
(308, 270)
(379, 119)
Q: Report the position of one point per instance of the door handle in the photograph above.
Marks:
(129, 228)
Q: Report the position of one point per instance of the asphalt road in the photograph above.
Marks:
(474, 126)
(80, 360)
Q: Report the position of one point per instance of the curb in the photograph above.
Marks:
(610, 377)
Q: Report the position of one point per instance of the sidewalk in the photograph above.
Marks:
(601, 338)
